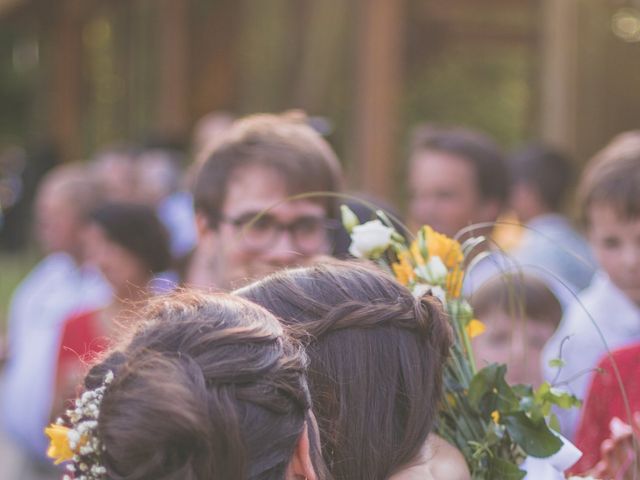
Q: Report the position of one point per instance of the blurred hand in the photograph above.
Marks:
(619, 454)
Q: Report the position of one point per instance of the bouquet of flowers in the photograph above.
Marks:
(495, 425)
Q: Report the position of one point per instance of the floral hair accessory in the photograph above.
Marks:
(74, 437)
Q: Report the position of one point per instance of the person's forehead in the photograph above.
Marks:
(607, 214)
(436, 166)
(256, 188)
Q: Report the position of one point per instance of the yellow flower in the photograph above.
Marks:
(453, 282)
(59, 448)
(495, 416)
(439, 245)
(403, 268)
(475, 328)
(415, 253)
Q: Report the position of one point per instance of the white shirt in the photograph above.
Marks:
(617, 323)
(53, 290)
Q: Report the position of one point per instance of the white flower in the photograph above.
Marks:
(434, 271)
(370, 239)
(421, 289)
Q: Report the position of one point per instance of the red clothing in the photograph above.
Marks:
(82, 344)
(605, 401)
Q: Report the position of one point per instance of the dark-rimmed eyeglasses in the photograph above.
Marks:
(260, 232)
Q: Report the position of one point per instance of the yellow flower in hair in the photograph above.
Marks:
(59, 448)
(403, 269)
(475, 328)
(439, 245)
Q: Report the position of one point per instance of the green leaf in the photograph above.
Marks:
(488, 390)
(535, 438)
(505, 470)
(554, 423)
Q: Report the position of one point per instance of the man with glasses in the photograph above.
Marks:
(253, 211)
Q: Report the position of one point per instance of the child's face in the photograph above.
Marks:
(616, 245)
(515, 341)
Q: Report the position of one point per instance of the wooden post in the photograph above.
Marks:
(558, 111)
(173, 115)
(64, 110)
(377, 90)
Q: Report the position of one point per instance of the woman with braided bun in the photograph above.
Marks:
(376, 357)
(209, 387)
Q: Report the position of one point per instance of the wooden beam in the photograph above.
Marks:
(64, 109)
(378, 84)
(559, 81)
(173, 116)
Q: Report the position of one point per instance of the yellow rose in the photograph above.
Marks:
(59, 448)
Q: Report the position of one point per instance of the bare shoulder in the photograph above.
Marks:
(446, 460)
(437, 460)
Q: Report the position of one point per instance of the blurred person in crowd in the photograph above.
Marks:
(114, 171)
(457, 178)
(129, 245)
(607, 315)
(159, 185)
(26, 170)
(541, 177)
(520, 314)
(248, 226)
(58, 286)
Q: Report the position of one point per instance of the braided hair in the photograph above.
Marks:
(209, 387)
(376, 358)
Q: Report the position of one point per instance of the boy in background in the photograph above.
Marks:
(607, 315)
(520, 314)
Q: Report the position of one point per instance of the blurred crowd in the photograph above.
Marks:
(258, 194)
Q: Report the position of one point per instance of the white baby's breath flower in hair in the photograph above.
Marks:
(370, 239)
(434, 271)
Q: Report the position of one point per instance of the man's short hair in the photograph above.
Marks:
(549, 171)
(612, 177)
(484, 155)
(284, 143)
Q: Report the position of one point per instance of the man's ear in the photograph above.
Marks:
(202, 226)
(301, 465)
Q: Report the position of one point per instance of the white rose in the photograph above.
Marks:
(434, 271)
(370, 239)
